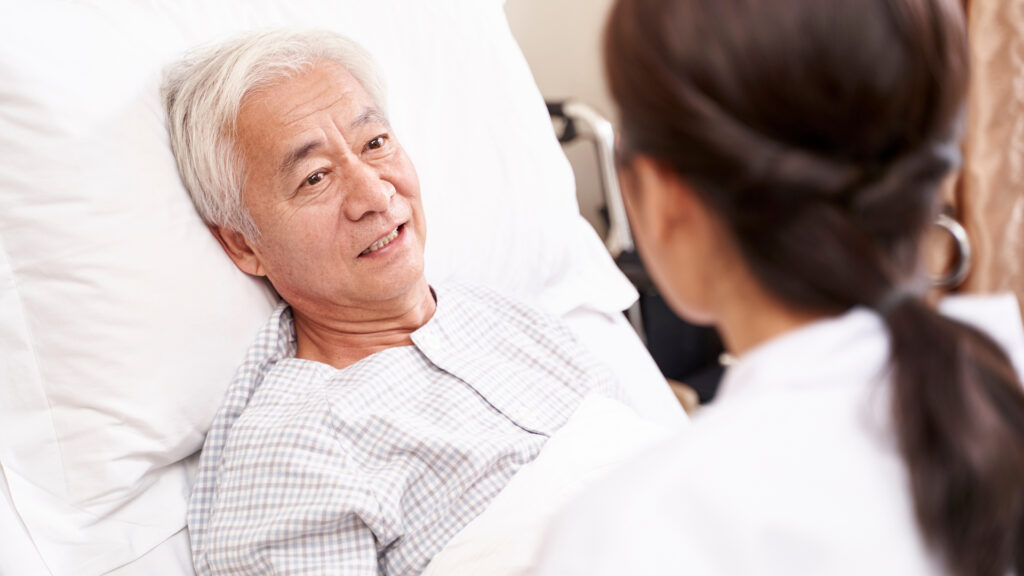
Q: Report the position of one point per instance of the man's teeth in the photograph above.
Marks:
(381, 243)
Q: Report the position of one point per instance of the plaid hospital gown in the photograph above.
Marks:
(373, 468)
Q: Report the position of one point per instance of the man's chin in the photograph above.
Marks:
(412, 286)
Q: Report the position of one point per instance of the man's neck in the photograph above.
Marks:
(345, 335)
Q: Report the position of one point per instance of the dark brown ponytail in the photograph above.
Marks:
(820, 131)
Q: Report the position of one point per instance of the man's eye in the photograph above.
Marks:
(314, 178)
(377, 142)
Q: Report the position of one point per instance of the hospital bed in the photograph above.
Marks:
(121, 321)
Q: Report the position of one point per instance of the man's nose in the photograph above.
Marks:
(366, 192)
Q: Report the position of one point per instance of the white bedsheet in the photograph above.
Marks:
(20, 555)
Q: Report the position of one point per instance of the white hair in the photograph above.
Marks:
(203, 95)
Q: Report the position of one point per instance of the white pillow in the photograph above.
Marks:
(121, 321)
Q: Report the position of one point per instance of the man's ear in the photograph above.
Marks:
(239, 249)
(665, 199)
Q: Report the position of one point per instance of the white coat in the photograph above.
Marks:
(794, 469)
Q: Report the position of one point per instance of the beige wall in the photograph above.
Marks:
(561, 40)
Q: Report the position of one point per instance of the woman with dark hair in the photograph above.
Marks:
(780, 160)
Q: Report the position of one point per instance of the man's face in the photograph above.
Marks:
(335, 197)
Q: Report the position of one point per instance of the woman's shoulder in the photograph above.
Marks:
(746, 489)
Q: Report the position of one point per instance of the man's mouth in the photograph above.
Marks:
(382, 242)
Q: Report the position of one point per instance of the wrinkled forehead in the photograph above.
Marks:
(293, 106)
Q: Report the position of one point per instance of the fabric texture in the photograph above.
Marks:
(794, 469)
(990, 200)
(373, 468)
(601, 435)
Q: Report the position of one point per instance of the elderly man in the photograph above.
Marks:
(374, 416)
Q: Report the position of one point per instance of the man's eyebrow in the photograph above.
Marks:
(296, 155)
(366, 117)
(371, 116)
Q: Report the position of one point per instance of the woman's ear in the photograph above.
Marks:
(239, 249)
(659, 199)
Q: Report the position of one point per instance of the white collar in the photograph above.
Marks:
(856, 345)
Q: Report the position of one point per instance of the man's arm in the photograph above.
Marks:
(288, 502)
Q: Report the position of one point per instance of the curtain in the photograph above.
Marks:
(989, 200)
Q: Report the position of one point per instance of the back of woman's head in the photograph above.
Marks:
(819, 132)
